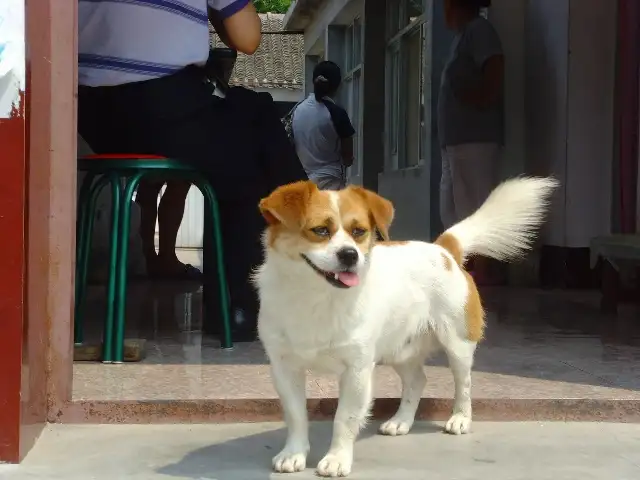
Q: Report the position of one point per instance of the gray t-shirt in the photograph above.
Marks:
(459, 123)
(318, 128)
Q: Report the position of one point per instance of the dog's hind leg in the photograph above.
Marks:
(460, 354)
(413, 381)
(351, 415)
(290, 385)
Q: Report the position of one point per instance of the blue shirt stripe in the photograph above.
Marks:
(233, 8)
(87, 60)
(172, 6)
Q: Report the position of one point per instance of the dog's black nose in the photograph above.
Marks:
(348, 256)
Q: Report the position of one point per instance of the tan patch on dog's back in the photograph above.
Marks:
(451, 245)
(392, 243)
(447, 262)
(474, 311)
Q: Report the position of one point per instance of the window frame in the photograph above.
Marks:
(396, 45)
(351, 75)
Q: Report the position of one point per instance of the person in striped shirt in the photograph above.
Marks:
(142, 90)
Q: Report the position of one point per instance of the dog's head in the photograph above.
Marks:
(331, 231)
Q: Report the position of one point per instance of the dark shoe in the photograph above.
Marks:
(188, 274)
(243, 327)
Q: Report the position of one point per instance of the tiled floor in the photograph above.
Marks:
(539, 345)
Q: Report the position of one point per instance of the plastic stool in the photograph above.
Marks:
(123, 173)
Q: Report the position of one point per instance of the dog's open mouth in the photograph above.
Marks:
(343, 279)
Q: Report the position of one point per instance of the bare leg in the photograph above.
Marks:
(290, 385)
(413, 382)
(170, 213)
(353, 409)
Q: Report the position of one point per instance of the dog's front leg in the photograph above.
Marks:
(290, 385)
(351, 415)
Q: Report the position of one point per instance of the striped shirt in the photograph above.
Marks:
(124, 41)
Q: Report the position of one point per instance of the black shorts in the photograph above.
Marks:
(238, 142)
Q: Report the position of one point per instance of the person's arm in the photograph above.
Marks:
(237, 23)
(486, 51)
(490, 87)
(346, 151)
(345, 131)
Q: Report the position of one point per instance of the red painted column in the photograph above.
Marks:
(12, 276)
(51, 198)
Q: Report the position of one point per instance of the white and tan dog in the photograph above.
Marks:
(335, 300)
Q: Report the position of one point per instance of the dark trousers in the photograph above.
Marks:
(238, 142)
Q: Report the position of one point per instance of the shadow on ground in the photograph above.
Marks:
(249, 457)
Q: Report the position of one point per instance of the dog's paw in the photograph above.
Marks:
(458, 424)
(396, 426)
(335, 465)
(288, 461)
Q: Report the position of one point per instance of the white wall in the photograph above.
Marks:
(190, 234)
(9, 94)
(408, 189)
(508, 18)
(12, 55)
(333, 11)
(569, 88)
(590, 130)
(546, 82)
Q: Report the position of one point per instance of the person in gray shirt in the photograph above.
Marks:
(470, 116)
(322, 131)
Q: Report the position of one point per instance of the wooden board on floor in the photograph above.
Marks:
(134, 351)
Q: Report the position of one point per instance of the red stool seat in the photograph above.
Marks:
(122, 156)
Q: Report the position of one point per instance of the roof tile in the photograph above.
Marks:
(278, 62)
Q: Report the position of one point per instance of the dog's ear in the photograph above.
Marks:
(380, 208)
(287, 204)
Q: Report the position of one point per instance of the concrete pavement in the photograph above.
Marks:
(496, 451)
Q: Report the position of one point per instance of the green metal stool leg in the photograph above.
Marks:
(87, 238)
(81, 234)
(212, 204)
(121, 268)
(81, 219)
(107, 349)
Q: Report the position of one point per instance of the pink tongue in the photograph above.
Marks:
(350, 279)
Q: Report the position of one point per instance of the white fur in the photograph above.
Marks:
(408, 305)
(492, 232)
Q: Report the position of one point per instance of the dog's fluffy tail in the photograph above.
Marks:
(506, 224)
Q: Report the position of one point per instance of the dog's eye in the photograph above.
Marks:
(358, 232)
(321, 231)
